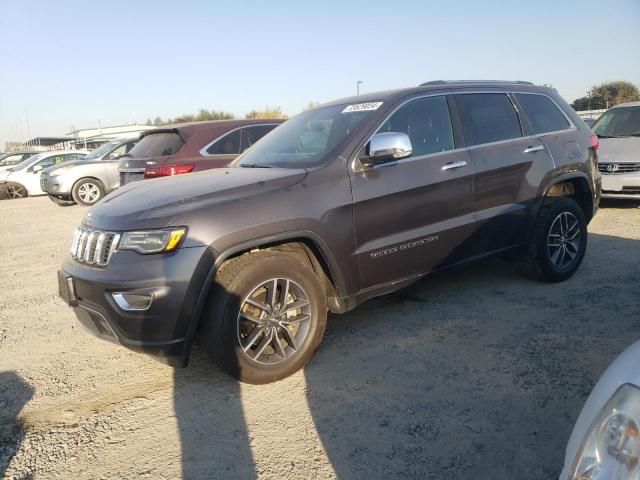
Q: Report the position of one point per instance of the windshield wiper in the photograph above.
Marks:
(254, 165)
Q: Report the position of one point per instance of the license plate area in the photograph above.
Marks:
(129, 177)
(66, 289)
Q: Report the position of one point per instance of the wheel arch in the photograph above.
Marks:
(309, 242)
(575, 185)
(88, 177)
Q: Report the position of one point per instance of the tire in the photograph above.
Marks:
(16, 191)
(87, 191)
(558, 242)
(224, 332)
(61, 202)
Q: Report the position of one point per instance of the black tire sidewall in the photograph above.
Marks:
(225, 305)
(547, 268)
(79, 183)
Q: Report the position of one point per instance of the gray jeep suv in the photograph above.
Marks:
(348, 201)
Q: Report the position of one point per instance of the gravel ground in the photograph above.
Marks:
(472, 373)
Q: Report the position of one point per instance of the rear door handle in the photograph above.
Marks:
(454, 165)
(533, 149)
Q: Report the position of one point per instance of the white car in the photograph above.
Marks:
(619, 156)
(8, 160)
(23, 180)
(605, 442)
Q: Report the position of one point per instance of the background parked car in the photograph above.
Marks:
(87, 180)
(191, 147)
(23, 180)
(8, 160)
(619, 131)
(605, 442)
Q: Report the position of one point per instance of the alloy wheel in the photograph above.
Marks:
(274, 321)
(563, 241)
(16, 191)
(88, 192)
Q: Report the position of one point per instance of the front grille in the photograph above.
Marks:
(43, 183)
(618, 168)
(624, 191)
(93, 247)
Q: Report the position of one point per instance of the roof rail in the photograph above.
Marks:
(449, 82)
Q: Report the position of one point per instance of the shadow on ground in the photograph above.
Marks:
(477, 372)
(14, 394)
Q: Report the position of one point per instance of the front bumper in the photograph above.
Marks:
(625, 185)
(164, 330)
(58, 185)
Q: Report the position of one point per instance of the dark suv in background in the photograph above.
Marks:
(191, 147)
(348, 201)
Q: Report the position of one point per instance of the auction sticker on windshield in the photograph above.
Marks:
(362, 107)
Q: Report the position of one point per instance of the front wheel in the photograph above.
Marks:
(87, 191)
(15, 191)
(559, 240)
(265, 316)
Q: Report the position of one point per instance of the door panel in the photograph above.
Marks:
(506, 184)
(411, 216)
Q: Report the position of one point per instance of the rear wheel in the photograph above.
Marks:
(87, 191)
(16, 190)
(265, 317)
(559, 240)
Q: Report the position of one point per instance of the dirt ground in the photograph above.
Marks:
(473, 373)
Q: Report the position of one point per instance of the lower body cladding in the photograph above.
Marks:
(622, 185)
(143, 302)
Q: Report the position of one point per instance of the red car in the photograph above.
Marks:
(191, 147)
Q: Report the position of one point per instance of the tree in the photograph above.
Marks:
(268, 112)
(311, 105)
(158, 121)
(607, 95)
(148, 122)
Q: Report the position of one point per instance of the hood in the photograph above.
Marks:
(157, 203)
(624, 149)
(71, 164)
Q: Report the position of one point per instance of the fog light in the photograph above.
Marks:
(133, 301)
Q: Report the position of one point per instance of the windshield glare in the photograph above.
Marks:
(25, 163)
(101, 150)
(305, 140)
(618, 122)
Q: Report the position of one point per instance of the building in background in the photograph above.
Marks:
(86, 139)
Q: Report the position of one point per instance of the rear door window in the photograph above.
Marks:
(488, 117)
(252, 134)
(542, 113)
(227, 145)
(157, 145)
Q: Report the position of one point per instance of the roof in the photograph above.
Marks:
(49, 141)
(387, 95)
(628, 104)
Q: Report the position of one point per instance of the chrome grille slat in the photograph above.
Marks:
(629, 167)
(92, 246)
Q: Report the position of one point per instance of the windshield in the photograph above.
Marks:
(306, 139)
(157, 145)
(618, 122)
(11, 160)
(101, 150)
(25, 163)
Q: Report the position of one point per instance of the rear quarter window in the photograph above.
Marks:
(157, 145)
(542, 113)
(488, 117)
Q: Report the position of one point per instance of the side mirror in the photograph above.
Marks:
(387, 147)
(37, 168)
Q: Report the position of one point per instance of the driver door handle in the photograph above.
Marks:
(454, 165)
(533, 149)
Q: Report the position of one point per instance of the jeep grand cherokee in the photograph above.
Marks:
(348, 201)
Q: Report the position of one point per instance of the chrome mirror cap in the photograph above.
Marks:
(388, 146)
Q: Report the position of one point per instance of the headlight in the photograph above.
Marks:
(152, 241)
(59, 171)
(611, 447)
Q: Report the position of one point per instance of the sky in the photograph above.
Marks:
(70, 64)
